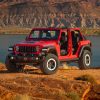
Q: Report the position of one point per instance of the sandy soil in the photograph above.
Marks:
(60, 86)
(63, 73)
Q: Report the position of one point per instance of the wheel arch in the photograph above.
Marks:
(87, 47)
(53, 51)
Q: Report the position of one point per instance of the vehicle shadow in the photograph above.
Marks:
(36, 71)
(32, 71)
(4, 71)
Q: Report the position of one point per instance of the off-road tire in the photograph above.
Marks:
(85, 60)
(45, 68)
(12, 67)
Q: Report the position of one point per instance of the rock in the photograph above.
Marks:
(64, 67)
(96, 88)
(2, 66)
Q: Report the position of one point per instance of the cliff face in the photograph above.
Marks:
(50, 13)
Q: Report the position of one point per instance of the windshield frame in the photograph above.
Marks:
(29, 36)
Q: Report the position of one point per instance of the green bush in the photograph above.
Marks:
(73, 96)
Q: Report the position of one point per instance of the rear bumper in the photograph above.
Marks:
(24, 59)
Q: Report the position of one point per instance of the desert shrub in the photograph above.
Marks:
(73, 96)
(67, 96)
(60, 96)
(87, 78)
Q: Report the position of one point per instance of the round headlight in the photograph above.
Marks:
(10, 49)
(17, 48)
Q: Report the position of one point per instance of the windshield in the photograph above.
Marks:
(44, 34)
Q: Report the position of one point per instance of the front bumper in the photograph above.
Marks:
(25, 59)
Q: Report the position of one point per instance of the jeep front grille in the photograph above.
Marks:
(26, 49)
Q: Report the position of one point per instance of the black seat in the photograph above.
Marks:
(74, 42)
(64, 44)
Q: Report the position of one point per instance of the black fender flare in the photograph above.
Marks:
(86, 47)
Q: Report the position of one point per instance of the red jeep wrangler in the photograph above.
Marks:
(48, 47)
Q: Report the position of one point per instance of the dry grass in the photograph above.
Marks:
(14, 30)
(87, 78)
(68, 95)
(90, 31)
(73, 96)
(21, 97)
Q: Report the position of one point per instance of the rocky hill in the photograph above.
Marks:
(50, 13)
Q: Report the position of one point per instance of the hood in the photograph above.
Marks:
(39, 43)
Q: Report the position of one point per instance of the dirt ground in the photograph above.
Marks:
(60, 86)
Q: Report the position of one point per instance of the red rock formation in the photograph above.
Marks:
(44, 13)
